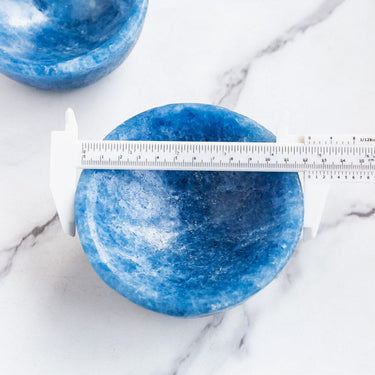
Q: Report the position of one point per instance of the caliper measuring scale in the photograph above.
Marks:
(319, 160)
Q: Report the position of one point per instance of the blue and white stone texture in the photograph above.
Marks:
(66, 44)
(188, 243)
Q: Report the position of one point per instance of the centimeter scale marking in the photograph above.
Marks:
(319, 158)
(348, 160)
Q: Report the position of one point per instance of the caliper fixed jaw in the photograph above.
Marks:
(63, 171)
(64, 167)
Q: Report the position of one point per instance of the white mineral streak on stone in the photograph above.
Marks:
(324, 315)
(21, 14)
(16, 50)
(136, 203)
(157, 238)
(103, 255)
(16, 19)
(76, 63)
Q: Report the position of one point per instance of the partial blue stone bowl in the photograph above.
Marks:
(188, 243)
(66, 44)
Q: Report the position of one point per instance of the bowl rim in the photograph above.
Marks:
(86, 62)
(90, 248)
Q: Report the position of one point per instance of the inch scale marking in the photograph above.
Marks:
(319, 160)
(327, 161)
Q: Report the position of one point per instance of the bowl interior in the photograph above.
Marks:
(188, 243)
(51, 31)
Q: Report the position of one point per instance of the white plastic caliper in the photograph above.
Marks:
(319, 160)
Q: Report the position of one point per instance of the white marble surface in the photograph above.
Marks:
(313, 60)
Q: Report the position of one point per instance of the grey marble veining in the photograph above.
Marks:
(50, 291)
(233, 80)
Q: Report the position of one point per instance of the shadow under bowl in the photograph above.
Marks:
(188, 243)
(66, 44)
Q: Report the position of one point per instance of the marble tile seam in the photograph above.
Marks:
(234, 79)
(11, 252)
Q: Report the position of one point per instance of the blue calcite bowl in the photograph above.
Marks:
(66, 44)
(188, 243)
